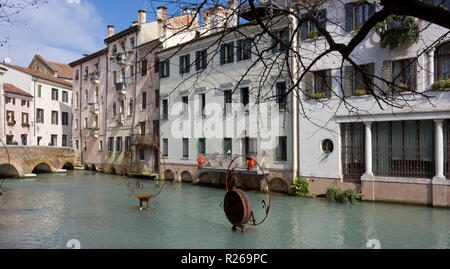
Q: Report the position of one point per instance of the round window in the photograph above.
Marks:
(327, 146)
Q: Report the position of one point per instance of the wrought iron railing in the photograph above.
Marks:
(353, 151)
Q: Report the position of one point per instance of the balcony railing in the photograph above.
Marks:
(121, 87)
(148, 139)
(95, 77)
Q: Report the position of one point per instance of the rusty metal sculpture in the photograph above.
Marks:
(138, 185)
(236, 204)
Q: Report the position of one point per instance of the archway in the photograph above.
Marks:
(186, 176)
(278, 185)
(9, 171)
(112, 170)
(68, 166)
(86, 167)
(168, 175)
(93, 168)
(42, 168)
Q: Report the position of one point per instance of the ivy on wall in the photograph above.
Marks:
(397, 30)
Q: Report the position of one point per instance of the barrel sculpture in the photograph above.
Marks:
(237, 208)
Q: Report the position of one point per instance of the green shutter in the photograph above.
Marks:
(239, 50)
(348, 81)
(248, 47)
(188, 63)
(180, 65)
(308, 84)
(231, 52)
(168, 67)
(197, 60)
(413, 74)
(349, 19)
(329, 82)
(222, 54)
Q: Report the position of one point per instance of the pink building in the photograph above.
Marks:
(89, 108)
(17, 111)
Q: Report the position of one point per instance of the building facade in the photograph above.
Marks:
(89, 108)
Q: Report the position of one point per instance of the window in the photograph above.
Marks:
(144, 64)
(353, 151)
(111, 144)
(130, 108)
(185, 64)
(128, 143)
(318, 84)
(86, 72)
(131, 74)
(76, 123)
(64, 141)
(283, 35)
(77, 74)
(8, 100)
(23, 103)
(227, 53)
(54, 117)
(281, 95)
(227, 146)
(356, 14)
(85, 123)
(9, 139)
(119, 144)
(144, 100)
(95, 121)
(86, 98)
(355, 84)
(309, 29)
(244, 49)
(201, 60)
(100, 145)
(442, 61)
(245, 96)
(55, 94)
(185, 102)
(201, 146)
(165, 109)
(115, 77)
(164, 69)
(132, 42)
(165, 147)
(76, 143)
(114, 109)
(282, 149)
(25, 119)
(77, 100)
(141, 154)
(40, 115)
(84, 145)
(249, 147)
(202, 104)
(156, 65)
(227, 101)
(185, 147)
(65, 118)
(65, 96)
(402, 73)
(157, 98)
(39, 90)
(403, 149)
(10, 117)
(54, 140)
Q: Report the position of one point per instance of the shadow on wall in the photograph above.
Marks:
(9, 171)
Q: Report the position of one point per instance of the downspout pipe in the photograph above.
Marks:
(294, 101)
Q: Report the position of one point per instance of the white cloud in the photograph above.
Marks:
(59, 31)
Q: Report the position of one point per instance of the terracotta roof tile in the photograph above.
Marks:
(63, 70)
(39, 75)
(8, 87)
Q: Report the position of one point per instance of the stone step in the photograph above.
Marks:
(29, 175)
(56, 170)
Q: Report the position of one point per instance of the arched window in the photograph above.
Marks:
(442, 61)
(130, 107)
(86, 97)
(114, 109)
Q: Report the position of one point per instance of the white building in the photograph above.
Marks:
(52, 107)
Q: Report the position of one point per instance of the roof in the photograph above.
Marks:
(121, 34)
(38, 75)
(89, 57)
(62, 70)
(8, 87)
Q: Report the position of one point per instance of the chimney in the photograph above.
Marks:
(110, 30)
(142, 18)
(233, 9)
(161, 13)
(134, 23)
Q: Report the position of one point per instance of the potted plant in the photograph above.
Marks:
(441, 85)
(314, 34)
(25, 124)
(11, 123)
(359, 92)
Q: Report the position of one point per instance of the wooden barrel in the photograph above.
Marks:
(237, 207)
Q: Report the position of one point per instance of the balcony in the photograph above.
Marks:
(149, 140)
(121, 88)
(94, 132)
(121, 119)
(95, 77)
(119, 58)
(263, 9)
(94, 108)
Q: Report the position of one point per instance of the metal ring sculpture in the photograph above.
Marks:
(237, 205)
(9, 164)
(138, 185)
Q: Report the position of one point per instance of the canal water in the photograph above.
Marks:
(96, 209)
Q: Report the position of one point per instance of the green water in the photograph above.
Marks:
(47, 211)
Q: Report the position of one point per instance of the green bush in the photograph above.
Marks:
(301, 187)
(336, 194)
(441, 84)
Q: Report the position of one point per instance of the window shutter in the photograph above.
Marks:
(274, 43)
(349, 17)
(308, 84)
(348, 81)
(197, 60)
(168, 67)
(413, 73)
(371, 10)
(304, 28)
(231, 52)
(328, 80)
(222, 54)
(239, 50)
(161, 69)
(188, 63)
(248, 47)
(387, 75)
(181, 64)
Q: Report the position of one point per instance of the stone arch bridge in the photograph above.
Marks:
(35, 159)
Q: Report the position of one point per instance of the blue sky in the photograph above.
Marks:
(63, 30)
